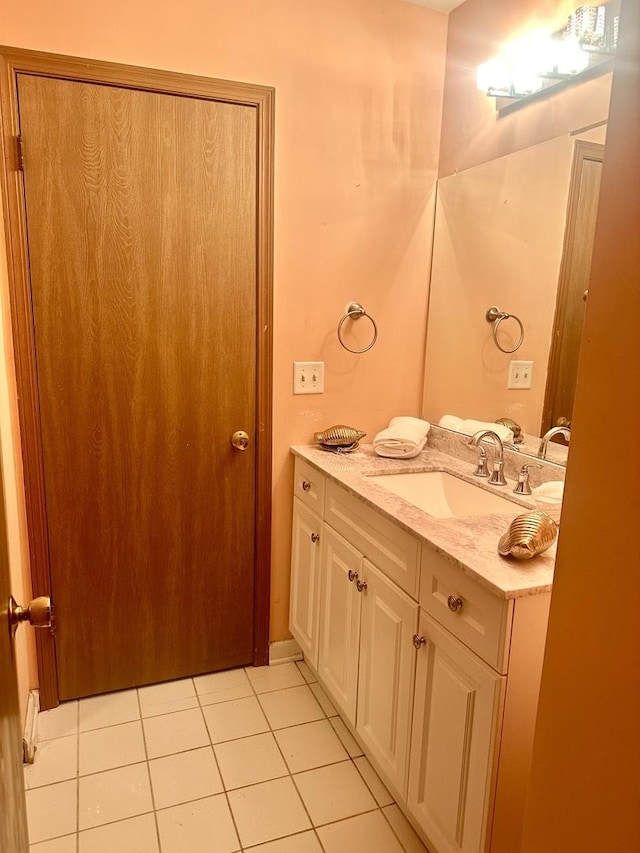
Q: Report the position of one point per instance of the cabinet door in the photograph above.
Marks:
(386, 675)
(455, 729)
(304, 603)
(340, 621)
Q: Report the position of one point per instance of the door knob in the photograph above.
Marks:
(38, 613)
(240, 440)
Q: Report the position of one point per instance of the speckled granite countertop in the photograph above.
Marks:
(471, 543)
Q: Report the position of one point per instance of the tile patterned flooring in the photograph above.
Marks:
(249, 759)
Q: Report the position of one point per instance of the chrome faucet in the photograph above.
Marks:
(497, 474)
(557, 430)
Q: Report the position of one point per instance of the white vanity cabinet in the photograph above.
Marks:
(436, 675)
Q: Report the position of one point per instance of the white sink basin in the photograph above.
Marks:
(444, 496)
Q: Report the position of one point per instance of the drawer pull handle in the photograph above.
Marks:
(454, 603)
(361, 586)
(315, 537)
(419, 642)
(353, 576)
(306, 485)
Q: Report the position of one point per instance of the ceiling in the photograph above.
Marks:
(440, 5)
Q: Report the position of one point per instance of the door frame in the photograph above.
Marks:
(12, 62)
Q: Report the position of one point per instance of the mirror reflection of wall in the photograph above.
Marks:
(500, 240)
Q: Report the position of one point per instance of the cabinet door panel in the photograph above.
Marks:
(456, 721)
(340, 622)
(387, 669)
(304, 605)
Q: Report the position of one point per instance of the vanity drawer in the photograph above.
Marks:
(394, 551)
(309, 486)
(482, 621)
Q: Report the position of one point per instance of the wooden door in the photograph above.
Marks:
(573, 285)
(141, 226)
(305, 580)
(455, 726)
(340, 621)
(386, 674)
(13, 816)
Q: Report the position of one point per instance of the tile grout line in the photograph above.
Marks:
(146, 752)
(78, 777)
(215, 758)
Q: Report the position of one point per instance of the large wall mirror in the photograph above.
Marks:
(516, 233)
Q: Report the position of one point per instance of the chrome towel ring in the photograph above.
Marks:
(495, 316)
(354, 312)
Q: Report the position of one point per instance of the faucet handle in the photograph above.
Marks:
(482, 470)
(497, 475)
(522, 486)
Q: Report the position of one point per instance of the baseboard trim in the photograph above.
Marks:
(284, 651)
(31, 728)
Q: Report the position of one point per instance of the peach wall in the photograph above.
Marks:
(498, 241)
(358, 108)
(584, 794)
(472, 131)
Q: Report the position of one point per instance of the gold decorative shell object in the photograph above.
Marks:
(515, 428)
(339, 436)
(529, 534)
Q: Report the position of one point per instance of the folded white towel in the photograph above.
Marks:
(451, 422)
(403, 438)
(471, 427)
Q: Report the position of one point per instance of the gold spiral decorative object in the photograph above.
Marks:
(515, 428)
(529, 534)
(339, 438)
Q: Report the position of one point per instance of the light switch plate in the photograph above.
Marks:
(308, 377)
(520, 374)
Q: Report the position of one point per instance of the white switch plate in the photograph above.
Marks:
(520, 374)
(308, 377)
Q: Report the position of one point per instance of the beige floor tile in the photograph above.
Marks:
(305, 842)
(323, 700)
(310, 745)
(166, 698)
(183, 777)
(290, 707)
(177, 732)
(55, 761)
(349, 743)
(223, 686)
(114, 795)
(96, 712)
(267, 811)
(264, 679)
(67, 844)
(249, 760)
(201, 825)
(367, 833)
(58, 722)
(136, 835)
(374, 782)
(52, 811)
(237, 719)
(306, 672)
(115, 746)
(334, 792)
(409, 838)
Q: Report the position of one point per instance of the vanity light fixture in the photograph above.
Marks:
(542, 59)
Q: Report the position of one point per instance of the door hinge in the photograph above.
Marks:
(20, 153)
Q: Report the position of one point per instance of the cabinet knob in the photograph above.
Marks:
(418, 641)
(306, 485)
(454, 603)
(315, 537)
(361, 586)
(353, 576)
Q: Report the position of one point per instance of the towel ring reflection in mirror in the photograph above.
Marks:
(495, 316)
(355, 311)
